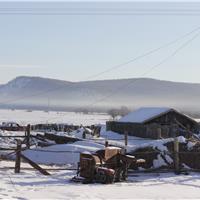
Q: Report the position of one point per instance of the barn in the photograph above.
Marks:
(155, 122)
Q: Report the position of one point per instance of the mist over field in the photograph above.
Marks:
(52, 94)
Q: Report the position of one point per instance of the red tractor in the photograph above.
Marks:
(105, 166)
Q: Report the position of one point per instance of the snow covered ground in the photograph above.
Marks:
(32, 185)
(69, 153)
(63, 153)
(24, 117)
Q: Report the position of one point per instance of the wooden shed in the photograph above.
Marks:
(155, 122)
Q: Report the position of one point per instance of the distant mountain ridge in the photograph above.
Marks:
(45, 92)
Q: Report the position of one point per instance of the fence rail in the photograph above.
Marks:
(13, 136)
(175, 154)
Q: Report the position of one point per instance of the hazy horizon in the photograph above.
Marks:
(109, 79)
(43, 93)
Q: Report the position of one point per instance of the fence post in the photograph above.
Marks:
(106, 143)
(126, 140)
(84, 134)
(28, 133)
(176, 156)
(18, 157)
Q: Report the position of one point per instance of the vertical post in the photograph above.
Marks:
(125, 140)
(18, 157)
(159, 133)
(176, 156)
(28, 133)
(106, 143)
(171, 131)
(84, 134)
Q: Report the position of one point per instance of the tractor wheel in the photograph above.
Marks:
(110, 179)
(104, 178)
(100, 177)
(120, 175)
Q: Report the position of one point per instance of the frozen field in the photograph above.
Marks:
(24, 117)
(32, 185)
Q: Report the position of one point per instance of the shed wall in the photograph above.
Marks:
(162, 126)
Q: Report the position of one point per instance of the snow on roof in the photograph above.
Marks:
(143, 114)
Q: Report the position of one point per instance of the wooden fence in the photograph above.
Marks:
(18, 151)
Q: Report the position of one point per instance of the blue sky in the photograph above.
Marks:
(74, 47)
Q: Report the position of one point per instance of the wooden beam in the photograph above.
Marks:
(182, 126)
(36, 166)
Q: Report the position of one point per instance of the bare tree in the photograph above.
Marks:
(113, 113)
(118, 112)
(124, 111)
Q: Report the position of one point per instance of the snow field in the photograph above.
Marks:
(32, 185)
(24, 117)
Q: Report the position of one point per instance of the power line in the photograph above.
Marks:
(131, 82)
(148, 71)
(105, 71)
(99, 14)
(143, 55)
(97, 11)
